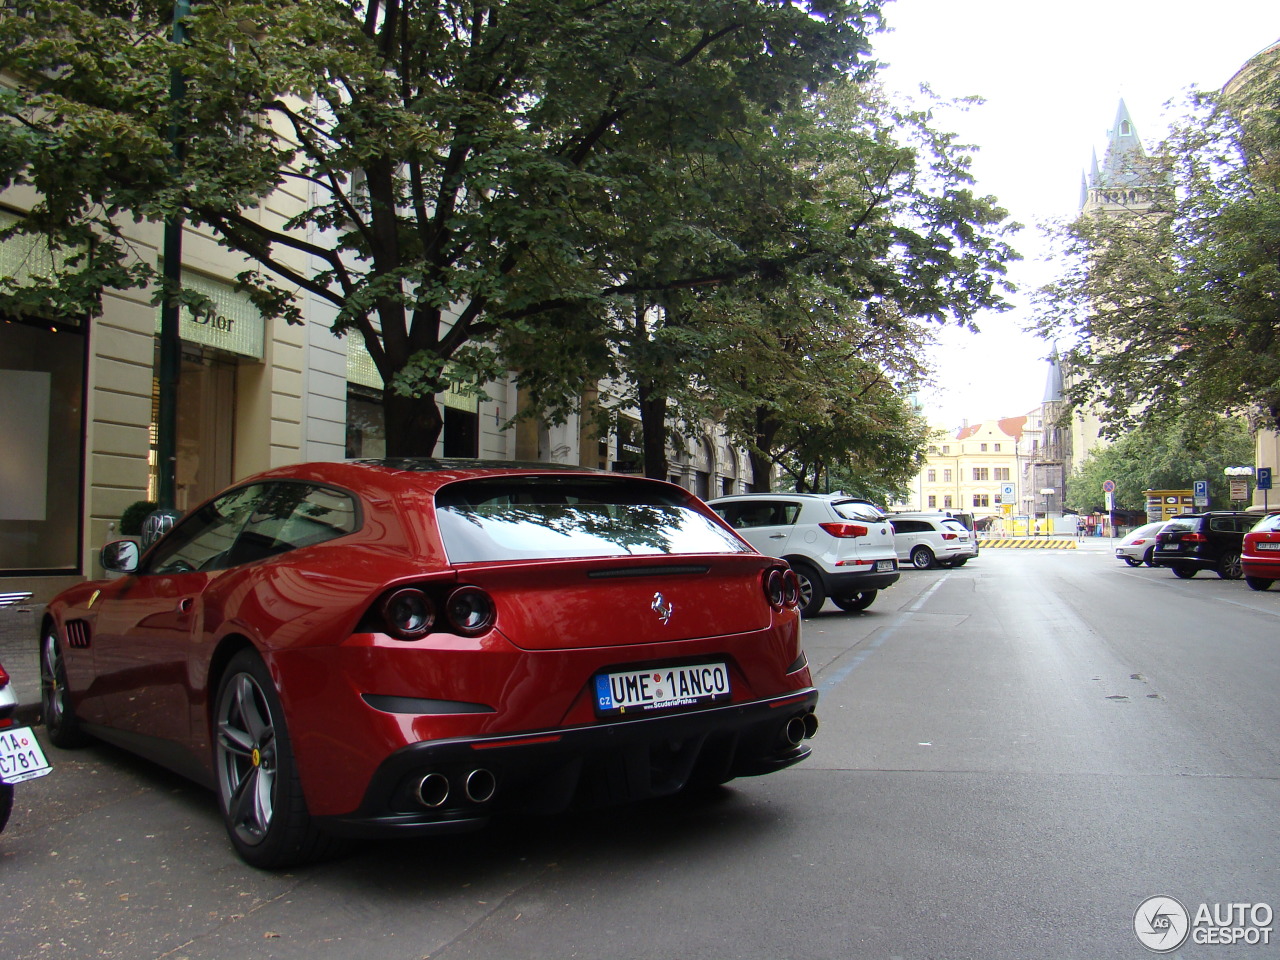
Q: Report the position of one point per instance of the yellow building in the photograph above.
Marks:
(983, 469)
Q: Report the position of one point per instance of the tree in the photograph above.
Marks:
(812, 371)
(1174, 310)
(1166, 456)
(458, 162)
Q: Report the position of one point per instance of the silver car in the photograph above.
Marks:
(1137, 547)
(926, 542)
(839, 547)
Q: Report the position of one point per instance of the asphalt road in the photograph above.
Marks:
(1014, 756)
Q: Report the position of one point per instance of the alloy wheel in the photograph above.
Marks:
(53, 689)
(246, 758)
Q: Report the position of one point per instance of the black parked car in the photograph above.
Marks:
(1204, 541)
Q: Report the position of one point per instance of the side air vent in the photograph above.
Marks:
(77, 634)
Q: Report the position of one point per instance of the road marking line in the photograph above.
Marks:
(881, 636)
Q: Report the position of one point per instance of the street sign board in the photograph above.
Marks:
(1264, 478)
(1108, 486)
(1201, 488)
(1239, 488)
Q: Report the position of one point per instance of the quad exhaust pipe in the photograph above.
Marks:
(478, 786)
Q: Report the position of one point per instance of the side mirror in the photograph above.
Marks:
(120, 556)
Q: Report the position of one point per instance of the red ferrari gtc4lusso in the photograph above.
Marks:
(411, 647)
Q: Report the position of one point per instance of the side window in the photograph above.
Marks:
(202, 540)
(756, 514)
(908, 526)
(291, 515)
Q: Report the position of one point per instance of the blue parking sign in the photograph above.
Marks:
(1201, 489)
(1263, 476)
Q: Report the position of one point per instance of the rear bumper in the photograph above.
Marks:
(549, 771)
(1266, 568)
(1178, 559)
(843, 584)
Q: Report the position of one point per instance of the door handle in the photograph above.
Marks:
(777, 536)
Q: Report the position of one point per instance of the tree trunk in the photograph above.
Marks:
(653, 429)
(413, 424)
(761, 462)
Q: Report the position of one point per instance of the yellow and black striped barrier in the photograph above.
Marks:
(1029, 543)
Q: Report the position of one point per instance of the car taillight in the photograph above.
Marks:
(950, 536)
(845, 530)
(470, 611)
(409, 613)
(782, 588)
(1194, 538)
(4, 677)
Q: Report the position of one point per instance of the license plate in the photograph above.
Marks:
(1267, 546)
(20, 756)
(1170, 546)
(661, 688)
(884, 566)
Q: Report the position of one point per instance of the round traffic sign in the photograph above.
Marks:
(1108, 486)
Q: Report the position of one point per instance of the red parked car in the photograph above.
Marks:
(1260, 557)
(411, 647)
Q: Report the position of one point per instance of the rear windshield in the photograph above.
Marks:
(1174, 525)
(1268, 523)
(954, 525)
(857, 510)
(527, 518)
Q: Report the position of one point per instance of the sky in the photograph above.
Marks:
(1052, 75)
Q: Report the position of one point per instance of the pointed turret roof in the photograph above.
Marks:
(1053, 382)
(1124, 162)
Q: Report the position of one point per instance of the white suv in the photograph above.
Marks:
(839, 547)
(925, 541)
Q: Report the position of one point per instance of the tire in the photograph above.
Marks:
(1149, 558)
(856, 601)
(922, 558)
(1229, 567)
(1132, 562)
(259, 793)
(60, 721)
(1183, 572)
(812, 593)
(1258, 583)
(960, 563)
(6, 803)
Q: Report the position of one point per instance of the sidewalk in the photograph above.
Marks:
(20, 654)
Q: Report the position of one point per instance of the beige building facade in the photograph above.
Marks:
(984, 469)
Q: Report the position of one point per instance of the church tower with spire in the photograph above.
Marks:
(1125, 183)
